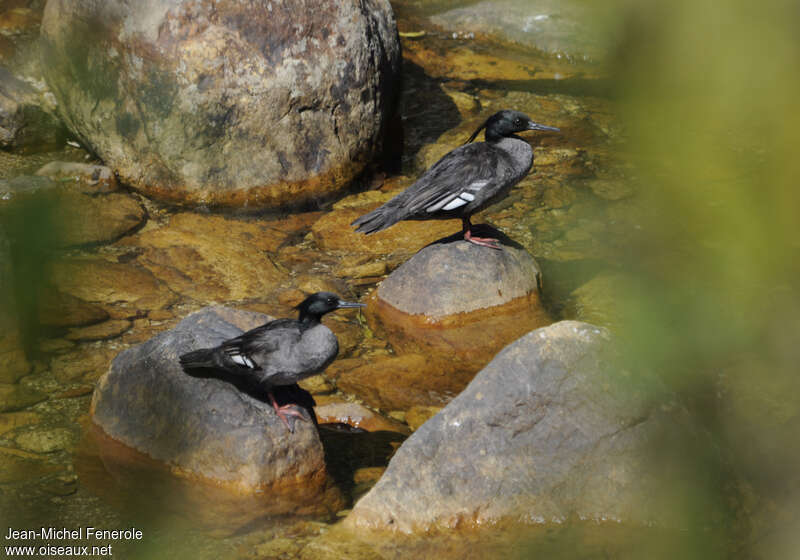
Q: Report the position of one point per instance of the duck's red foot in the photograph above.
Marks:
(287, 411)
(490, 242)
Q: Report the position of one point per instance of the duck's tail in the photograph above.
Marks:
(199, 360)
(377, 220)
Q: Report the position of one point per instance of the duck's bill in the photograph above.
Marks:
(346, 304)
(536, 126)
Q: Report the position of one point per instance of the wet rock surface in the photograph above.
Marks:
(550, 429)
(204, 427)
(63, 310)
(90, 178)
(97, 280)
(238, 104)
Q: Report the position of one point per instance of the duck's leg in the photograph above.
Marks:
(285, 411)
(490, 242)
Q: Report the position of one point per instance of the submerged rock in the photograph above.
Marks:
(111, 284)
(67, 213)
(57, 309)
(400, 382)
(91, 179)
(560, 27)
(46, 440)
(231, 255)
(18, 397)
(206, 428)
(13, 360)
(333, 231)
(237, 103)
(550, 429)
(357, 416)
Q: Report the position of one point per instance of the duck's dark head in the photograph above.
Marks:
(317, 305)
(507, 122)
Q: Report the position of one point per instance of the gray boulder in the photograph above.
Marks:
(457, 277)
(551, 429)
(235, 103)
(458, 304)
(203, 427)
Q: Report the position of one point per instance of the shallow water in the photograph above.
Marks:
(577, 198)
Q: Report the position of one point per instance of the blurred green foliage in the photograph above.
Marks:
(708, 92)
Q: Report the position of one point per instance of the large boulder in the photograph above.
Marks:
(233, 103)
(206, 428)
(551, 429)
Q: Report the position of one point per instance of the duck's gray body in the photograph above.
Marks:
(281, 352)
(466, 180)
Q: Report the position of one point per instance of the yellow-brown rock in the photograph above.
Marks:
(211, 257)
(13, 420)
(99, 331)
(57, 309)
(85, 362)
(416, 416)
(400, 382)
(13, 361)
(100, 281)
(358, 416)
(334, 232)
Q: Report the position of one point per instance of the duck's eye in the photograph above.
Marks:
(518, 121)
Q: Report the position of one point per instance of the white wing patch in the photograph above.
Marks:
(460, 200)
(467, 195)
(455, 203)
(241, 359)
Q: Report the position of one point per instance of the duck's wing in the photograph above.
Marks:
(251, 350)
(465, 174)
